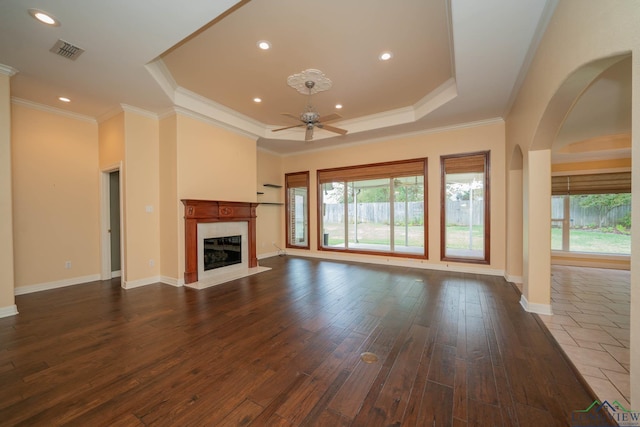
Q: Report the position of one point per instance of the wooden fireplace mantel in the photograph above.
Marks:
(197, 211)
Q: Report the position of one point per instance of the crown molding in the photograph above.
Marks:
(196, 106)
(441, 129)
(139, 111)
(209, 120)
(400, 116)
(444, 93)
(126, 108)
(7, 70)
(52, 110)
(266, 150)
(218, 113)
(110, 114)
(161, 74)
(166, 113)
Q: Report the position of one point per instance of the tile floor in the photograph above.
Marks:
(591, 322)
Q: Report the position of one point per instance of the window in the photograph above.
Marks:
(591, 213)
(377, 208)
(297, 203)
(464, 224)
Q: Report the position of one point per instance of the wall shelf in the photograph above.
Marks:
(260, 193)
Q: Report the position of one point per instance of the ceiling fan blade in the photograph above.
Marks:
(291, 115)
(329, 117)
(334, 129)
(289, 127)
(308, 135)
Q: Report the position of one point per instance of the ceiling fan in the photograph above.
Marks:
(311, 119)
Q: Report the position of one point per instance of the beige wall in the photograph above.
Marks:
(56, 207)
(111, 141)
(514, 227)
(579, 33)
(432, 146)
(214, 163)
(270, 220)
(591, 166)
(170, 206)
(111, 157)
(7, 299)
(141, 198)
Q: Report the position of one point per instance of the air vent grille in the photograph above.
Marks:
(67, 50)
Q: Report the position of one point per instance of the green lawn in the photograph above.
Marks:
(378, 234)
(593, 241)
(458, 237)
(374, 234)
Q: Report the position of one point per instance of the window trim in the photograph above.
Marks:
(287, 213)
(487, 209)
(369, 171)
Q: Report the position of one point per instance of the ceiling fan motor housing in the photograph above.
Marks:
(309, 117)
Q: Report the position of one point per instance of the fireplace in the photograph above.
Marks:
(220, 252)
(220, 242)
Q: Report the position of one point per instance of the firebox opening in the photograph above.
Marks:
(222, 251)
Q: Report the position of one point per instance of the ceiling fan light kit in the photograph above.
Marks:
(309, 82)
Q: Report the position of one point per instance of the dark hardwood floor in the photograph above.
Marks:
(283, 348)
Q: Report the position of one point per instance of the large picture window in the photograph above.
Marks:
(377, 208)
(464, 227)
(591, 213)
(297, 203)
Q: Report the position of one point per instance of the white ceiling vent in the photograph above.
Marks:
(67, 50)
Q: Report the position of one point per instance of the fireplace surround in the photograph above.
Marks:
(214, 211)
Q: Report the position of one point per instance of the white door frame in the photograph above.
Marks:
(105, 223)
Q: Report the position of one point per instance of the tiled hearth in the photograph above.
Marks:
(591, 322)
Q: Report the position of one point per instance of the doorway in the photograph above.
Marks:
(114, 222)
(112, 264)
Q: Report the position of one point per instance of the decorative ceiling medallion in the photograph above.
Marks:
(298, 81)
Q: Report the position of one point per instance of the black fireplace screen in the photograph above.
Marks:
(222, 251)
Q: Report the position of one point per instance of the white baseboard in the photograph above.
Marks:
(267, 255)
(10, 310)
(140, 282)
(21, 290)
(115, 274)
(534, 307)
(514, 279)
(171, 281)
(398, 262)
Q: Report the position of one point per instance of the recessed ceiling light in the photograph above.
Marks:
(257, 100)
(264, 45)
(385, 56)
(338, 106)
(64, 99)
(44, 17)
